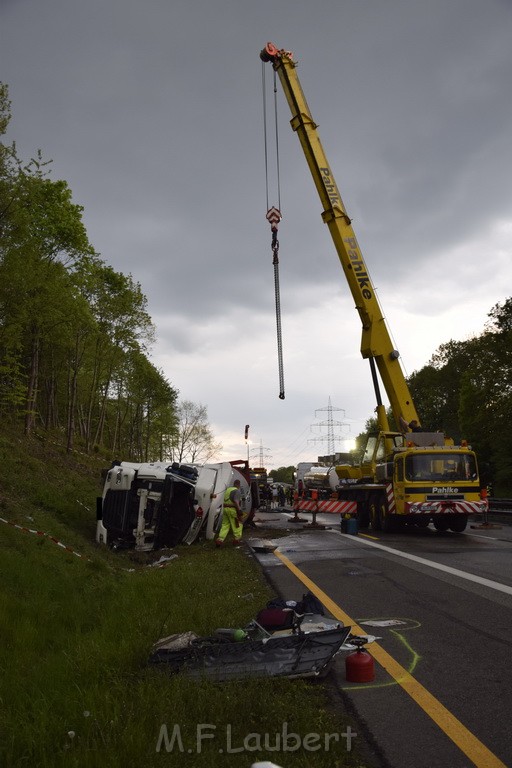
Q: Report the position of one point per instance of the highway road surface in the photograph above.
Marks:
(441, 606)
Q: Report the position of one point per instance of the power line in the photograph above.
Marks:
(331, 437)
(263, 454)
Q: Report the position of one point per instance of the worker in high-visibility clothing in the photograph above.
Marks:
(232, 518)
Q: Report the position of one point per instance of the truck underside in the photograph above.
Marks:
(153, 512)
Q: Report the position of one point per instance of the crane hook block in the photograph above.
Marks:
(271, 52)
(274, 217)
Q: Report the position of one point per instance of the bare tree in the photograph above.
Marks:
(195, 442)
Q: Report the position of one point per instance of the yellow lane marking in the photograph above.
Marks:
(449, 724)
(367, 536)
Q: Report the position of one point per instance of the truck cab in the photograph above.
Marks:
(152, 505)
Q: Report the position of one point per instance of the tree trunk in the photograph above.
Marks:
(33, 379)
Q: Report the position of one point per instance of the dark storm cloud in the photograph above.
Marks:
(153, 114)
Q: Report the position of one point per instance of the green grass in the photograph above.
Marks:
(75, 686)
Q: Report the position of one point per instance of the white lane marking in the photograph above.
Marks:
(438, 566)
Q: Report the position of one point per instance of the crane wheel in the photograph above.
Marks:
(441, 523)
(363, 515)
(377, 514)
(458, 523)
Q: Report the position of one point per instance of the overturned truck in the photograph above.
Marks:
(153, 505)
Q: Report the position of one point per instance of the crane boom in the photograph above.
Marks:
(402, 480)
(376, 344)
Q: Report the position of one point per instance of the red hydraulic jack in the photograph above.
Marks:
(313, 523)
(359, 666)
(485, 525)
(296, 518)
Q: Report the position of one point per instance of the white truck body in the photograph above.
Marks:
(321, 478)
(154, 505)
(302, 468)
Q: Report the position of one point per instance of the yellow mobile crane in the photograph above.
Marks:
(413, 476)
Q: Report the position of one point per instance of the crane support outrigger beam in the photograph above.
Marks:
(376, 341)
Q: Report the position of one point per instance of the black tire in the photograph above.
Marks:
(458, 523)
(387, 523)
(363, 515)
(379, 517)
(441, 524)
(375, 516)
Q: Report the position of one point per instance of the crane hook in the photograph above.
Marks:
(274, 217)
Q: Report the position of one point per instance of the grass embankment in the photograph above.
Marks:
(75, 688)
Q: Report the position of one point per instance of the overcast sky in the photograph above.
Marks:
(153, 113)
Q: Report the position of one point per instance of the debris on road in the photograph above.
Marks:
(292, 655)
(286, 639)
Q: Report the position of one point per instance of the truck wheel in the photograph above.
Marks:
(393, 524)
(363, 515)
(458, 523)
(441, 524)
(387, 523)
(375, 517)
(379, 517)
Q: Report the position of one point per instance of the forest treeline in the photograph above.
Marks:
(75, 336)
(74, 332)
(465, 391)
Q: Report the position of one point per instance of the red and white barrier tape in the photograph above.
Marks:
(327, 505)
(24, 529)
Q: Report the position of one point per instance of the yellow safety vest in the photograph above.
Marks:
(227, 496)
